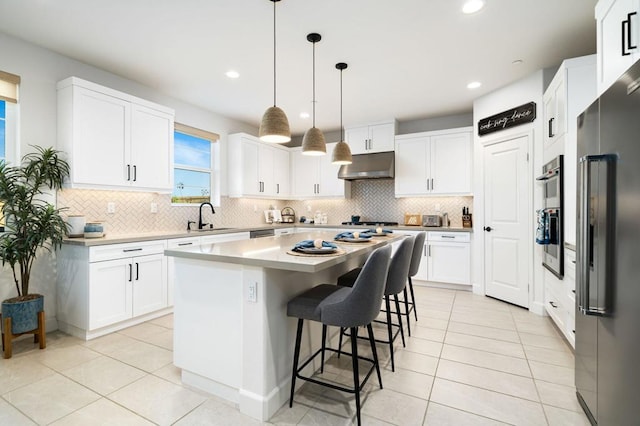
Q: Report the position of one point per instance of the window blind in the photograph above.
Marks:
(9, 86)
(210, 136)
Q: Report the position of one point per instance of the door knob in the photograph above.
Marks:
(487, 228)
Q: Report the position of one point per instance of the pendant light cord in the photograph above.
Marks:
(314, 84)
(274, 53)
(341, 126)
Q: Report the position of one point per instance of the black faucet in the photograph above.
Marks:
(200, 224)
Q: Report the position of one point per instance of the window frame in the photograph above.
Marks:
(214, 169)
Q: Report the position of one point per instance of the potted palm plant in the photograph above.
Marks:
(31, 224)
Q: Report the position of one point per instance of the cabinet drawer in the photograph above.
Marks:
(119, 251)
(458, 237)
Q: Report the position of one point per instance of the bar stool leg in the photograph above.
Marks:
(395, 297)
(413, 299)
(390, 332)
(340, 342)
(374, 351)
(406, 309)
(296, 358)
(324, 340)
(356, 374)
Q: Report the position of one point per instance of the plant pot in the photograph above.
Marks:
(23, 313)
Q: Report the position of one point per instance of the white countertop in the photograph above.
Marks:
(170, 234)
(271, 252)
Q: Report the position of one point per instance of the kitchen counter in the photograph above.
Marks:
(232, 336)
(171, 234)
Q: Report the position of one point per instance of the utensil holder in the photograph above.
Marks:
(467, 221)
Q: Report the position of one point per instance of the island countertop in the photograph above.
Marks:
(271, 252)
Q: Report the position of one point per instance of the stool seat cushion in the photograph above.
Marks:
(307, 305)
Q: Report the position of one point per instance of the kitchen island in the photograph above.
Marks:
(232, 337)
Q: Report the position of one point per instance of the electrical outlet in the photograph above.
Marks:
(309, 207)
(154, 207)
(437, 207)
(253, 292)
(255, 208)
(111, 207)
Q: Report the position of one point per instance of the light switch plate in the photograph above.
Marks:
(252, 296)
(111, 207)
(154, 207)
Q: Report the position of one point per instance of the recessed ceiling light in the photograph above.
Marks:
(472, 6)
(232, 74)
(474, 85)
(304, 115)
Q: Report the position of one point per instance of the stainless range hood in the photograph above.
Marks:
(380, 165)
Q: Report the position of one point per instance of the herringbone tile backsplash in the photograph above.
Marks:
(372, 200)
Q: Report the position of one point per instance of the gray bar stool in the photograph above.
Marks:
(413, 270)
(343, 307)
(396, 283)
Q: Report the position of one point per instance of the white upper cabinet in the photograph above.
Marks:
(371, 138)
(572, 89)
(114, 140)
(618, 39)
(316, 177)
(257, 169)
(434, 163)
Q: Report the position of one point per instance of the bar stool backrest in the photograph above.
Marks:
(362, 305)
(399, 267)
(417, 253)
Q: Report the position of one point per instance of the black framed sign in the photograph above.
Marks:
(513, 117)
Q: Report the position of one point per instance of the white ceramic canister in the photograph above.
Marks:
(76, 226)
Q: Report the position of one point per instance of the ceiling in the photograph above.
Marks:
(408, 59)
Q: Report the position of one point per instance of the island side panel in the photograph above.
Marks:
(208, 325)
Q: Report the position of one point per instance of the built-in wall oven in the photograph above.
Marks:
(550, 218)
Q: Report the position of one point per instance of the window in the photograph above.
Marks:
(196, 174)
(8, 116)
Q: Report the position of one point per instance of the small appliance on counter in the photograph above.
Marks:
(431, 220)
(272, 216)
(467, 219)
(288, 215)
(412, 219)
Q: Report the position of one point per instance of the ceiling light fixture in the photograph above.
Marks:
(313, 142)
(472, 6)
(341, 152)
(232, 74)
(474, 85)
(274, 126)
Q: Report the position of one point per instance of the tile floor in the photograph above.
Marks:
(471, 360)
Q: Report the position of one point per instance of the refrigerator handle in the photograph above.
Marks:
(585, 236)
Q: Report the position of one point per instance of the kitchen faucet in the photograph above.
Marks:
(200, 224)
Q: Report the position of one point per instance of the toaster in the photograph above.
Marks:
(431, 220)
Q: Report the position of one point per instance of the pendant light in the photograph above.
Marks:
(341, 152)
(313, 142)
(274, 126)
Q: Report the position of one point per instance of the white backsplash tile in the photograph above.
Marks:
(372, 200)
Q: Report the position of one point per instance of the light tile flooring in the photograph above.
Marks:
(471, 360)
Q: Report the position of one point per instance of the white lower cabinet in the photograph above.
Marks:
(173, 244)
(446, 258)
(560, 297)
(105, 288)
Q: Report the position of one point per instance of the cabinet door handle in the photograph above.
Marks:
(626, 35)
(137, 271)
(135, 172)
(428, 188)
(277, 188)
(551, 127)
(128, 172)
(429, 250)
(424, 251)
(318, 188)
(553, 304)
(130, 272)
(432, 184)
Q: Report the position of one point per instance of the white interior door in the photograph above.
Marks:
(507, 242)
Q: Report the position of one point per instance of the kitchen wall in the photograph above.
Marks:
(371, 199)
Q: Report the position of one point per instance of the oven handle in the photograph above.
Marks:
(585, 240)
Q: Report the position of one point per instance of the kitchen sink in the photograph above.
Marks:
(210, 229)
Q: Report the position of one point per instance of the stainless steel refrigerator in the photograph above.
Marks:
(607, 354)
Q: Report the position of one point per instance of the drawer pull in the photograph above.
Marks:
(553, 304)
(185, 244)
(130, 250)
(452, 237)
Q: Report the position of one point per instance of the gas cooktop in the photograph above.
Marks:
(371, 223)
